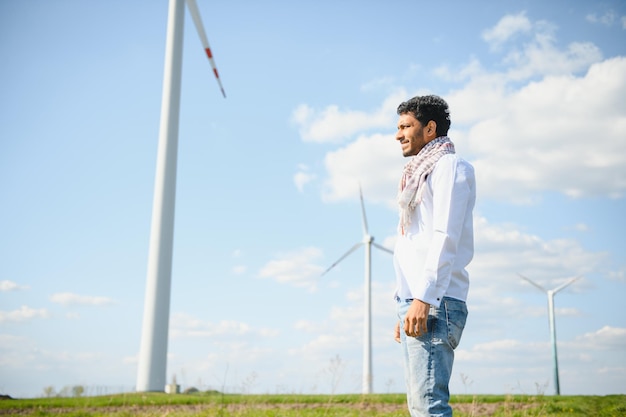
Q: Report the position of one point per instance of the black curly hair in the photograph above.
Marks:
(427, 108)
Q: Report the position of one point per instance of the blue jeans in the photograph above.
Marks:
(428, 358)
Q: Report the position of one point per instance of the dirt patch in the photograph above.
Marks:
(490, 409)
(471, 409)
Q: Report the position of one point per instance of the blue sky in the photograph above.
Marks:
(267, 189)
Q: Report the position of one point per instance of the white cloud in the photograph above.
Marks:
(606, 19)
(239, 269)
(70, 299)
(375, 162)
(537, 55)
(6, 286)
(319, 347)
(24, 313)
(580, 227)
(524, 137)
(186, 325)
(603, 339)
(526, 365)
(619, 275)
(504, 250)
(542, 58)
(377, 84)
(541, 138)
(342, 328)
(494, 351)
(567, 312)
(522, 141)
(308, 326)
(506, 28)
(296, 268)
(334, 125)
(72, 315)
(303, 177)
(471, 70)
(9, 341)
(497, 302)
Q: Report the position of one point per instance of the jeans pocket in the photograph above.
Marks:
(456, 316)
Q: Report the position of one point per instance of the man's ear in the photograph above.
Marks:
(431, 129)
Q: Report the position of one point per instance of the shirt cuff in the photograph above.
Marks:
(428, 292)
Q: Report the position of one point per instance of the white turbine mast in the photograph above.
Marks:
(550, 294)
(152, 367)
(368, 241)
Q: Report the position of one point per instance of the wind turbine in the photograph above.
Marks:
(151, 372)
(368, 241)
(551, 294)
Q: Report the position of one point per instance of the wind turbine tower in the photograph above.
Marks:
(551, 293)
(368, 241)
(152, 367)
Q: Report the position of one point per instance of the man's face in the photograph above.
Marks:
(410, 134)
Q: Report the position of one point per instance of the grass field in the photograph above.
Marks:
(384, 405)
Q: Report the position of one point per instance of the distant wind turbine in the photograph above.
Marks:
(551, 294)
(152, 365)
(368, 241)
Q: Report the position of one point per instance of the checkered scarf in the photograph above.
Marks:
(414, 175)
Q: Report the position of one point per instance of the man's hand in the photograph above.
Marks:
(396, 334)
(416, 319)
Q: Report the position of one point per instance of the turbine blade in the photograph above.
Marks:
(365, 229)
(381, 247)
(560, 287)
(197, 20)
(533, 283)
(352, 249)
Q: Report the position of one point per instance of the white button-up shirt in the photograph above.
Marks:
(431, 257)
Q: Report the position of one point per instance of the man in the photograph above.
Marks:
(435, 243)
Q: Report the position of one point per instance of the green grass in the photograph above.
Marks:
(383, 405)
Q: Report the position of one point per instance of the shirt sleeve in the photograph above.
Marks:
(451, 192)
